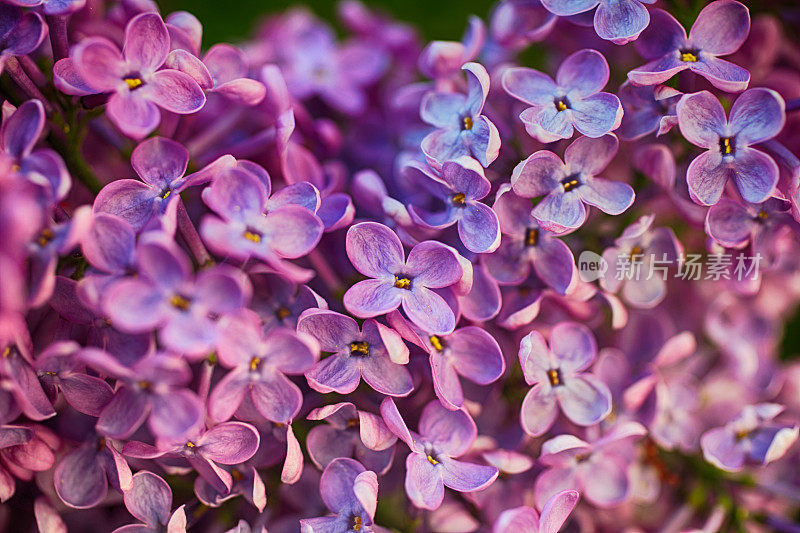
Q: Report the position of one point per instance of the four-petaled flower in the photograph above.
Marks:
(618, 21)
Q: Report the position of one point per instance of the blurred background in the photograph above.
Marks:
(233, 20)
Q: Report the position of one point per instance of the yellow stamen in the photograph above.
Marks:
(727, 147)
(635, 252)
(762, 215)
(359, 348)
(436, 342)
(743, 434)
(352, 422)
(190, 444)
(571, 184)
(357, 524)
(6, 352)
(531, 236)
(459, 199)
(282, 313)
(252, 236)
(560, 105)
(688, 57)
(466, 123)
(432, 461)
(165, 194)
(179, 302)
(402, 283)
(554, 376)
(254, 362)
(133, 83)
(45, 237)
(145, 385)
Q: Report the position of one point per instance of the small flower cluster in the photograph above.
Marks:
(323, 284)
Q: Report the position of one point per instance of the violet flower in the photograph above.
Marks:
(166, 296)
(720, 29)
(43, 167)
(229, 443)
(571, 184)
(20, 32)
(133, 77)
(559, 380)
(373, 352)
(377, 252)
(442, 61)
(459, 185)
(756, 116)
(259, 363)
(554, 514)
(750, 438)
(21, 381)
(149, 499)
(351, 493)
(431, 465)
(598, 470)
(526, 244)
(52, 7)
(618, 21)
(572, 102)
(470, 352)
(647, 109)
(151, 389)
(462, 129)
(350, 432)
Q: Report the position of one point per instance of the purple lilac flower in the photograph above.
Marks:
(149, 499)
(647, 109)
(51, 7)
(526, 244)
(377, 252)
(11, 436)
(598, 470)
(251, 224)
(442, 61)
(554, 514)
(517, 23)
(469, 352)
(650, 250)
(229, 443)
(279, 302)
(373, 352)
(166, 296)
(20, 32)
(43, 167)
(572, 102)
(152, 389)
(570, 184)
(133, 77)
(559, 380)
(734, 225)
(618, 21)
(756, 115)
(351, 493)
(350, 432)
(462, 129)
(247, 483)
(20, 380)
(24, 451)
(750, 438)
(720, 29)
(459, 185)
(431, 465)
(259, 364)
(161, 164)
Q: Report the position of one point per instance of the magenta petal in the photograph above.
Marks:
(557, 509)
(79, 479)
(423, 483)
(67, 79)
(99, 63)
(146, 43)
(130, 200)
(721, 27)
(427, 310)
(22, 129)
(176, 414)
(133, 114)
(189, 64)
(134, 306)
(149, 499)
(87, 394)
(446, 384)
(374, 249)
(227, 395)
(729, 223)
(477, 356)
(175, 91)
(230, 443)
(124, 414)
(372, 297)
(159, 161)
(517, 519)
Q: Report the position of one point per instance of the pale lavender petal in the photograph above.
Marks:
(230, 443)
(134, 306)
(557, 510)
(149, 499)
(620, 21)
(597, 114)
(517, 519)
(721, 27)
(574, 346)
(477, 86)
(176, 414)
(583, 73)
(159, 161)
(333, 330)
(722, 74)
(394, 421)
(452, 432)
(484, 140)
(729, 223)
(133, 114)
(386, 377)
(339, 373)
(658, 70)
(537, 175)
(551, 482)
(706, 178)
(227, 395)
(612, 197)
(372, 297)
(326, 443)
(276, 398)
(560, 211)
(477, 356)
(374, 249)
(130, 200)
(585, 399)
(433, 264)
(175, 91)
(446, 384)
(565, 8)
(442, 109)
(701, 119)
(591, 155)
(467, 477)
(554, 264)
(124, 414)
(757, 115)
(423, 484)
(374, 432)
(99, 63)
(539, 410)
(755, 174)
(293, 231)
(479, 228)
(663, 36)
(607, 482)
(530, 86)
(427, 310)
(336, 484)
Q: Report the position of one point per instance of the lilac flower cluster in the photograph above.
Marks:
(325, 284)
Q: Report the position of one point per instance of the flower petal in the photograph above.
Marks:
(160, 161)
(611, 197)
(701, 119)
(175, 91)
(428, 310)
(374, 249)
(149, 499)
(585, 399)
(583, 73)
(573, 345)
(230, 443)
(146, 43)
(467, 477)
(423, 483)
(530, 86)
(721, 27)
(372, 297)
(539, 410)
(757, 115)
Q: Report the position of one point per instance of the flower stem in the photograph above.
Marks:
(24, 82)
(58, 36)
(191, 237)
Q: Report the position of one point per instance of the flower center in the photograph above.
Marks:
(165, 193)
(359, 348)
(432, 460)
(145, 385)
(101, 444)
(6, 352)
(133, 82)
(727, 145)
(570, 183)
(402, 282)
(190, 444)
(466, 123)
(437, 343)
(356, 523)
(254, 363)
(554, 375)
(742, 434)
(282, 313)
(531, 236)
(252, 235)
(689, 56)
(636, 251)
(180, 302)
(562, 104)
(761, 216)
(459, 199)
(352, 422)
(45, 237)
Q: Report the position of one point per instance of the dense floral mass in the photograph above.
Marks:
(542, 279)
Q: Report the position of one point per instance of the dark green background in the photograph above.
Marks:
(232, 20)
